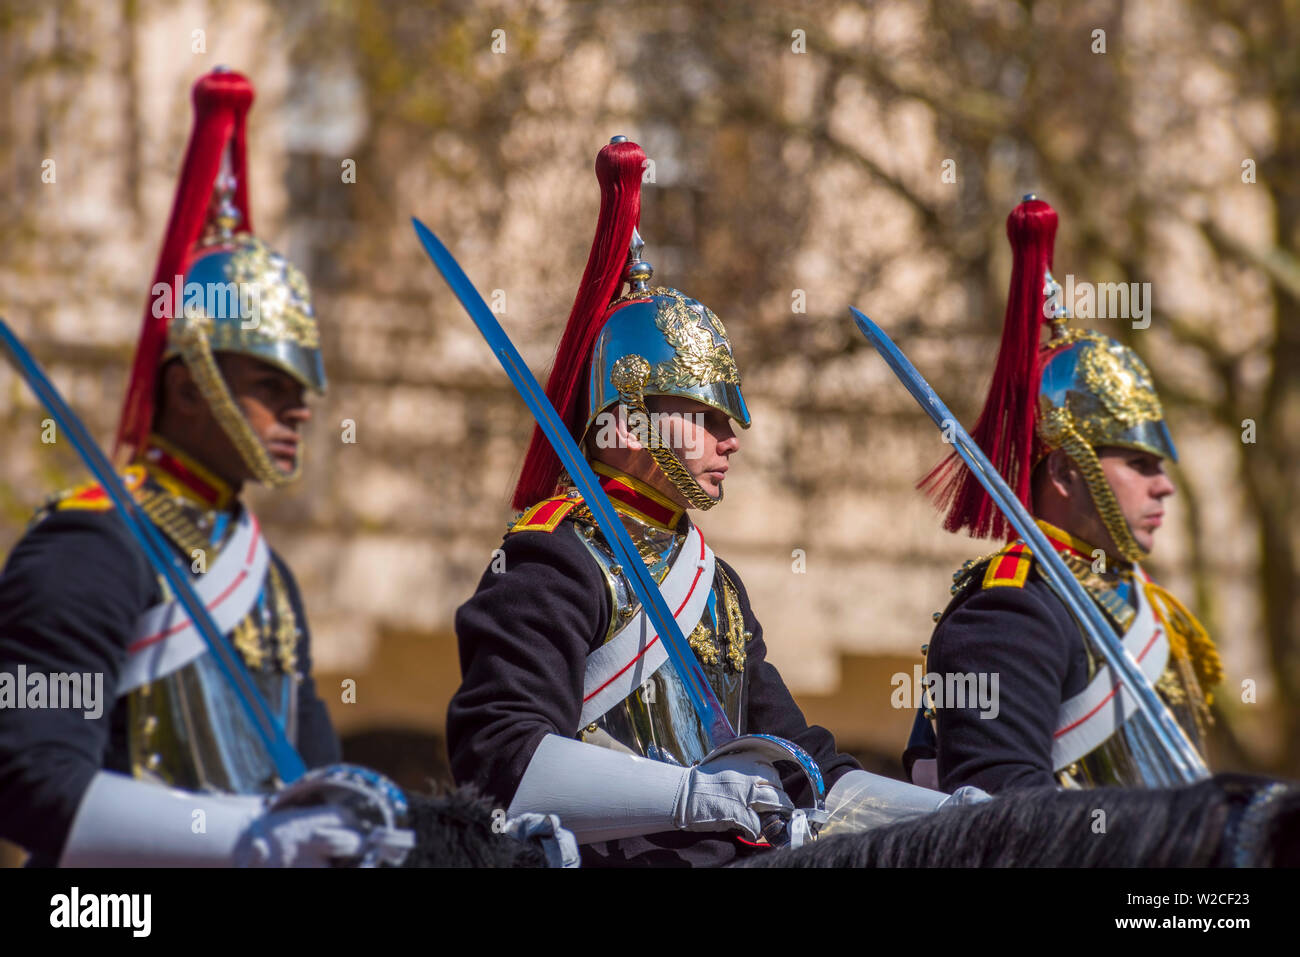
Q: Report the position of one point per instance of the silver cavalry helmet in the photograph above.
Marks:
(662, 342)
(1094, 393)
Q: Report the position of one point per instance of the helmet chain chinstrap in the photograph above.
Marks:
(1057, 430)
(197, 355)
(667, 460)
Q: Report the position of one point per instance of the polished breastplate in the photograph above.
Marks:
(186, 728)
(1120, 760)
(658, 720)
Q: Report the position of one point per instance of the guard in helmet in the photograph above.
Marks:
(568, 705)
(159, 766)
(1075, 427)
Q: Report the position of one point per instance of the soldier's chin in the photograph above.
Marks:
(285, 462)
(1145, 538)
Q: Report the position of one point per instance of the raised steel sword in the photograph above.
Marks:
(714, 720)
(1184, 764)
(288, 764)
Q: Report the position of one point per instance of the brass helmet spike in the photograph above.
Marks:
(224, 218)
(638, 271)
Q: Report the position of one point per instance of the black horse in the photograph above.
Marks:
(1230, 820)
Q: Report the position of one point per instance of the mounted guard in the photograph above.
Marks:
(1076, 430)
(571, 702)
(228, 348)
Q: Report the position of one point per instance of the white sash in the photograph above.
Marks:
(621, 665)
(165, 638)
(1096, 712)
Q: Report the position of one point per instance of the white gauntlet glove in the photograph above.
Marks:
(301, 837)
(602, 795)
(335, 815)
(730, 791)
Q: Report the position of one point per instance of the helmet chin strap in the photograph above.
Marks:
(191, 333)
(1057, 430)
(669, 464)
(629, 377)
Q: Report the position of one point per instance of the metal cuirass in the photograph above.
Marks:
(185, 727)
(1126, 757)
(657, 720)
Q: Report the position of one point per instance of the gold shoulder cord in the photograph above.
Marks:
(1188, 638)
(1192, 652)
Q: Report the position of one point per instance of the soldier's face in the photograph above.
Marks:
(272, 401)
(1140, 485)
(702, 437)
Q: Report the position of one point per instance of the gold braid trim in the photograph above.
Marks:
(1188, 638)
(247, 638)
(704, 644)
(176, 525)
(1056, 428)
(196, 352)
(286, 623)
(737, 636)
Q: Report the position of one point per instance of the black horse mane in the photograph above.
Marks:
(1229, 820)
(455, 830)
(1196, 826)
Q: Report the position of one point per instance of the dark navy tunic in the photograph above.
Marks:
(1026, 635)
(70, 594)
(524, 638)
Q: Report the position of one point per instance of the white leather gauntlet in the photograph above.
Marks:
(602, 795)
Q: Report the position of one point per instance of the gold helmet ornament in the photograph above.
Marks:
(220, 289)
(1079, 391)
(619, 349)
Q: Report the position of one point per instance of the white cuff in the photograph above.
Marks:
(122, 822)
(598, 794)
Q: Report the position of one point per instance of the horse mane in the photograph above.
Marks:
(1229, 820)
(455, 830)
(1193, 826)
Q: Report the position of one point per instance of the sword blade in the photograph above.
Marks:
(1186, 761)
(288, 764)
(714, 719)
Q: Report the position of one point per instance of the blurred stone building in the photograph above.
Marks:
(804, 159)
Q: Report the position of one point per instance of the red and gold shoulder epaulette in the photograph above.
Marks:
(1010, 567)
(92, 497)
(546, 515)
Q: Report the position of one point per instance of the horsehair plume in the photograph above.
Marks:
(618, 168)
(221, 102)
(1005, 428)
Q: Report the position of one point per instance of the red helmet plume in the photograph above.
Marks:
(618, 168)
(1005, 429)
(221, 102)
